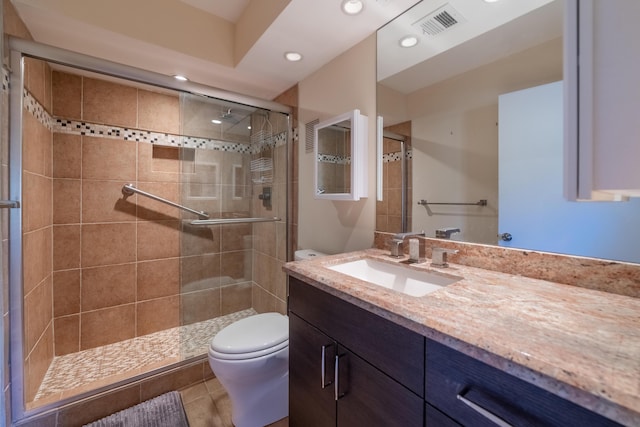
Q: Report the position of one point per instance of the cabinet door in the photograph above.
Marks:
(393, 349)
(368, 397)
(309, 403)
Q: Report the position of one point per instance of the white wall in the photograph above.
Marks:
(346, 83)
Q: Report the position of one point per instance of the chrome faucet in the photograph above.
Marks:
(445, 233)
(397, 242)
(439, 257)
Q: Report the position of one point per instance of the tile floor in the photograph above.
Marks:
(79, 372)
(207, 405)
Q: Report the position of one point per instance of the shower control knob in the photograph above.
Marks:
(505, 237)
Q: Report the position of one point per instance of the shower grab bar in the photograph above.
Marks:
(232, 221)
(482, 202)
(129, 190)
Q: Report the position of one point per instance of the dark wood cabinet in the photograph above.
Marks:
(331, 380)
(311, 404)
(350, 367)
(472, 393)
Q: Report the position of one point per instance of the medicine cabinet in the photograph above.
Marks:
(340, 154)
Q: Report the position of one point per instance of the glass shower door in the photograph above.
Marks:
(233, 167)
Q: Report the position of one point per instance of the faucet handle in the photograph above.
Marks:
(439, 256)
(396, 248)
(445, 233)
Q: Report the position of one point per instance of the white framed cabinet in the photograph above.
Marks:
(602, 99)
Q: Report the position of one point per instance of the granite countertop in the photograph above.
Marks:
(580, 344)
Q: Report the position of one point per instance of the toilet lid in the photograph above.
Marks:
(251, 334)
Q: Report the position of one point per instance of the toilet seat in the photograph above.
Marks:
(251, 337)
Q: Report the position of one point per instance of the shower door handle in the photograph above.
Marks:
(8, 204)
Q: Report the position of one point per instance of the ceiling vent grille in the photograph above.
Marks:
(439, 21)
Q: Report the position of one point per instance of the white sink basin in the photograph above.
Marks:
(396, 277)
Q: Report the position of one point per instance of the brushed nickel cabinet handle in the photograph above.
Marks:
(485, 413)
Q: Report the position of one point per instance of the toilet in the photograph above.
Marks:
(250, 358)
(305, 254)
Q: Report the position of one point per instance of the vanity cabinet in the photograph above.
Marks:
(471, 392)
(349, 366)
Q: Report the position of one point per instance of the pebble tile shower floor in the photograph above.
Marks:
(78, 372)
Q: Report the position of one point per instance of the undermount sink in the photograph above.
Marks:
(396, 277)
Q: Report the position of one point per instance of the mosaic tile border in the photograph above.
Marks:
(395, 157)
(135, 355)
(5, 79)
(339, 160)
(77, 127)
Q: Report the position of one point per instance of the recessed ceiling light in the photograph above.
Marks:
(216, 121)
(490, 1)
(352, 7)
(408, 41)
(293, 56)
(180, 77)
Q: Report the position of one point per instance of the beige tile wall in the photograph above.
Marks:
(37, 220)
(290, 98)
(122, 268)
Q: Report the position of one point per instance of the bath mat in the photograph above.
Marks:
(165, 410)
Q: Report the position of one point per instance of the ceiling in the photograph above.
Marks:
(484, 33)
(236, 45)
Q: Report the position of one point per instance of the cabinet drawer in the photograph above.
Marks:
(450, 374)
(396, 351)
(435, 418)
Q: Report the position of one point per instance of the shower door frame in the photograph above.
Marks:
(19, 49)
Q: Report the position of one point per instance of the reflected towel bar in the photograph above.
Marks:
(129, 190)
(232, 221)
(482, 202)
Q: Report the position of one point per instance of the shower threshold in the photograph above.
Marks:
(80, 372)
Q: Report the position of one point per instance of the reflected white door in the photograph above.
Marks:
(532, 207)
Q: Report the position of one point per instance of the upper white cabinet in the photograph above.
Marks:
(602, 75)
(340, 157)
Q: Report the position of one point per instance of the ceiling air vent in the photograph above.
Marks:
(439, 21)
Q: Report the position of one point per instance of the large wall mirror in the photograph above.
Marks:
(474, 90)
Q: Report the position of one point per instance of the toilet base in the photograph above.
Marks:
(261, 409)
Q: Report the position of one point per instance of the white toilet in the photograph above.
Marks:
(250, 358)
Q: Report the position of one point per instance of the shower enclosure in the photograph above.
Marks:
(150, 218)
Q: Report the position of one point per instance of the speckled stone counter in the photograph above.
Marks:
(578, 343)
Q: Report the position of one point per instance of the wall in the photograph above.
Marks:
(37, 226)
(454, 140)
(346, 83)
